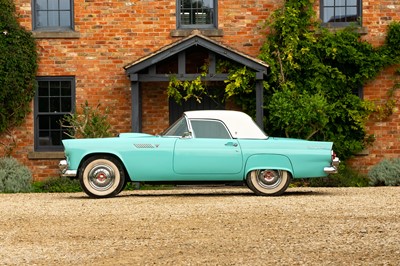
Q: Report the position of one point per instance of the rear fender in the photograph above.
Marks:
(268, 161)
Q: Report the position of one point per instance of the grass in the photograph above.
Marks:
(67, 185)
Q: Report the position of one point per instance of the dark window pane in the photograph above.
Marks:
(55, 122)
(43, 91)
(66, 105)
(56, 138)
(43, 105)
(55, 88)
(44, 122)
(44, 138)
(54, 104)
(65, 89)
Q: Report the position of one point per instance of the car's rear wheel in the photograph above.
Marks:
(268, 182)
(102, 176)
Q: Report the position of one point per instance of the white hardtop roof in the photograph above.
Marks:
(240, 125)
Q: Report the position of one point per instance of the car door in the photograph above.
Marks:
(209, 151)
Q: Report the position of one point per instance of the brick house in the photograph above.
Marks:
(115, 53)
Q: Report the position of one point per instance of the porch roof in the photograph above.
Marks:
(196, 39)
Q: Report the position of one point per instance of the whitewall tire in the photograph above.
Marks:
(102, 176)
(268, 182)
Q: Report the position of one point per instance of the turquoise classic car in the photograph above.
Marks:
(201, 147)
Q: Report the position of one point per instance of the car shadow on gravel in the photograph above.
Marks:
(199, 193)
(204, 192)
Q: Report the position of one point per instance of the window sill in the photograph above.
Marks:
(205, 32)
(46, 155)
(56, 34)
(358, 29)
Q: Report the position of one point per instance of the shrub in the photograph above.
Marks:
(90, 123)
(387, 173)
(14, 177)
(57, 184)
(346, 177)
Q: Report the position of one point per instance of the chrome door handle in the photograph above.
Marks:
(234, 144)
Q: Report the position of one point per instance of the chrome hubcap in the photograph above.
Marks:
(101, 177)
(269, 178)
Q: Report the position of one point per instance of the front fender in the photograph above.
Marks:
(268, 161)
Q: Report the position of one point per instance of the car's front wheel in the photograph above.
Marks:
(102, 176)
(268, 182)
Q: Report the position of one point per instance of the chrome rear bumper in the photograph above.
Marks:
(64, 171)
(333, 168)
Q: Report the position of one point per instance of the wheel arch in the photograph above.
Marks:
(268, 161)
(87, 156)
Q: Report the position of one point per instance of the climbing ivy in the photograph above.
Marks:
(310, 91)
(18, 65)
(314, 75)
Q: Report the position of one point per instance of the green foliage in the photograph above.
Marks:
(183, 90)
(313, 75)
(90, 123)
(346, 177)
(14, 177)
(299, 114)
(393, 39)
(18, 65)
(57, 185)
(387, 173)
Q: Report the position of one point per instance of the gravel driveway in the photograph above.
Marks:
(203, 226)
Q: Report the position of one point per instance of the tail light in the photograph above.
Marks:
(335, 159)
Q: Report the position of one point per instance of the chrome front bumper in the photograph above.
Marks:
(64, 171)
(333, 168)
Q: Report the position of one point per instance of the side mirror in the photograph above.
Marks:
(187, 135)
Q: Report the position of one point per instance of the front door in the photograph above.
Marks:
(210, 151)
(204, 156)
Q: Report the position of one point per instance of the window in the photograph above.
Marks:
(53, 15)
(179, 128)
(341, 12)
(196, 14)
(359, 91)
(55, 98)
(209, 129)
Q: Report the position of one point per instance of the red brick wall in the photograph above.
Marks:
(115, 33)
(377, 15)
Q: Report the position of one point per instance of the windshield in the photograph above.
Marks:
(177, 129)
